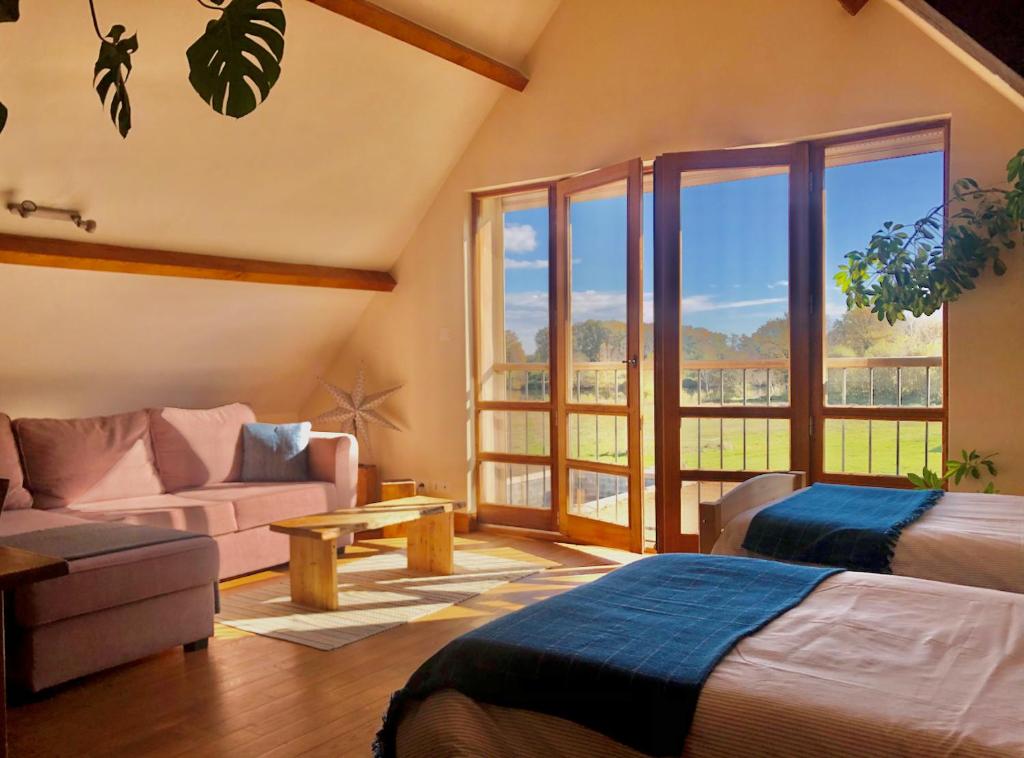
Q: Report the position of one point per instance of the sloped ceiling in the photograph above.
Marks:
(335, 168)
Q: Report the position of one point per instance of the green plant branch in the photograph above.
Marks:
(918, 269)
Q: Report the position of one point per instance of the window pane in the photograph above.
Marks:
(882, 448)
(602, 497)
(512, 302)
(734, 444)
(597, 249)
(603, 439)
(517, 432)
(735, 271)
(523, 485)
(868, 362)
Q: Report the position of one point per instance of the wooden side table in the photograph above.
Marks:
(18, 568)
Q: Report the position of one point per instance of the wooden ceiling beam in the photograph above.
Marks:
(393, 25)
(90, 256)
(853, 7)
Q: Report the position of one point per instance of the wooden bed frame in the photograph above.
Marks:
(756, 491)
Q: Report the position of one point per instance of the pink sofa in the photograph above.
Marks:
(167, 467)
(179, 468)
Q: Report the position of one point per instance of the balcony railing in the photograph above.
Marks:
(849, 381)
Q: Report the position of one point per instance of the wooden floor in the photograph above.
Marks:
(255, 696)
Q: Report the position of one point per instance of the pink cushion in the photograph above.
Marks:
(195, 448)
(169, 511)
(85, 460)
(34, 520)
(10, 468)
(261, 503)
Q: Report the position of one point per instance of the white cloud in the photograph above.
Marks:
(520, 238)
(512, 263)
(780, 283)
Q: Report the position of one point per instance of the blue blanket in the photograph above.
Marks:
(837, 525)
(625, 655)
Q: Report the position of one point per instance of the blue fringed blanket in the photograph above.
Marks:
(626, 655)
(837, 525)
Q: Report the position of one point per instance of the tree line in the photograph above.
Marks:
(857, 333)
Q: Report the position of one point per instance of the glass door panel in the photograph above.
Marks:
(598, 230)
(881, 400)
(514, 418)
(513, 301)
(597, 263)
(728, 271)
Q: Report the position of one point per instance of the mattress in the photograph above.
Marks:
(867, 665)
(977, 540)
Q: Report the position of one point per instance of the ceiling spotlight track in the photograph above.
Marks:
(27, 208)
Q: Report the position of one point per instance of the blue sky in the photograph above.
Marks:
(735, 243)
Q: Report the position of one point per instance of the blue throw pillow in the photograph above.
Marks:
(275, 452)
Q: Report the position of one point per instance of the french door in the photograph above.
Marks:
(758, 364)
(557, 353)
(598, 307)
(731, 257)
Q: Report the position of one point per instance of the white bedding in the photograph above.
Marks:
(964, 539)
(866, 665)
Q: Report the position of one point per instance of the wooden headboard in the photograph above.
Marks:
(756, 491)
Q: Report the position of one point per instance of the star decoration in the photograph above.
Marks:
(356, 410)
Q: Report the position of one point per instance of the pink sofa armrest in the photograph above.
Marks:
(335, 458)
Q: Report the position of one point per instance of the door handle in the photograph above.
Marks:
(631, 362)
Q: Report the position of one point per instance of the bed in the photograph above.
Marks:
(965, 538)
(866, 664)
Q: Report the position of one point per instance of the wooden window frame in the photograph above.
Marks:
(807, 412)
(820, 412)
(503, 513)
(669, 413)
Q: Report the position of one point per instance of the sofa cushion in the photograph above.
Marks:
(195, 448)
(10, 468)
(88, 459)
(169, 511)
(117, 579)
(276, 452)
(258, 504)
(33, 520)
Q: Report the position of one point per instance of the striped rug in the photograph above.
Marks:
(375, 594)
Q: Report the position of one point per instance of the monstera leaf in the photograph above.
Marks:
(9, 10)
(110, 77)
(237, 61)
(3, 116)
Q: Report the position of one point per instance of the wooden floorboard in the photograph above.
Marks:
(255, 696)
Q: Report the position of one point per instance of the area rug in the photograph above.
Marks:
(376, 593)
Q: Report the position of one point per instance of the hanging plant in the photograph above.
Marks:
(918, 268)
(233, 66)
(8, 12)
(113, 67)
(237, 61)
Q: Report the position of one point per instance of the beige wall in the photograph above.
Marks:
(611, 80)
(337, 168)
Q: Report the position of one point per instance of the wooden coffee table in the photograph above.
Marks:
(313, 555)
